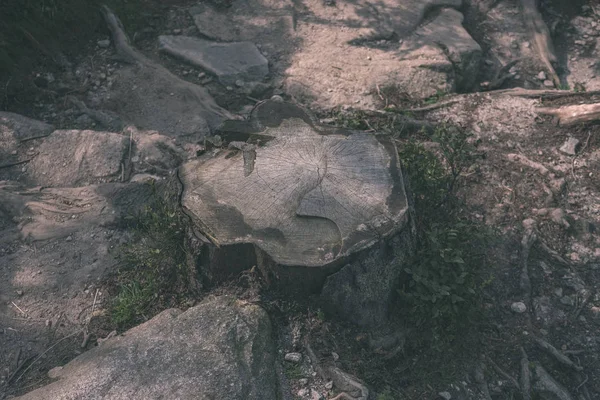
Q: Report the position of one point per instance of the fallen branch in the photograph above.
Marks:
(545, 94)
(548, 386)
(431, 107)
(574, 114)
(560, 357)
(540, 36)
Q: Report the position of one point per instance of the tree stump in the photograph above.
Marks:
(312, 206)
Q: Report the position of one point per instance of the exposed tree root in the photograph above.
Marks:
(560, 357)
(504, 374)
(540, 36)
(574, 114)
(207, 107)
(481, 382)
(525, 376)
(547, 386)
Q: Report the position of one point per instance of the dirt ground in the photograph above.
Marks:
(53, 291)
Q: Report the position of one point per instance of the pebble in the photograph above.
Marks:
(526, 45)
(103, 43)
(558, 292)
(541, 76)
(293, 357)
(19, 293)
(303, 392)
(445, 395)
(335, 356)
(518, 307)
(69, 238)
(548, 83)
(329, 385)
(303, 382)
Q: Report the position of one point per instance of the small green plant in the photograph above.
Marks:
(579, 87)
(386, 395)
(439, 94)
(294, 371)
(442, 285)
(153, 273)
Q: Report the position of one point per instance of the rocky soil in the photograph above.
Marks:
(77, 160)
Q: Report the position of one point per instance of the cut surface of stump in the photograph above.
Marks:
(306, 195)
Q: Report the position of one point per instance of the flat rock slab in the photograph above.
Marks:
(79, 158)
(220, 349)
(229, 62)
(305, 194)
(348, 53)
(37, 214)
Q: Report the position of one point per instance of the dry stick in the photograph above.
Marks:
(86, 335)
(15, 163)
(525, 376)
(432, 107)
(560, 357)
(46, 351)
(19, 308)
(503, 373)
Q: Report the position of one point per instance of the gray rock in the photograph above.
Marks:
(465, 54)
(230, 62)
(541, 76)
(518, 307)
(293, 357)
(103, 43)
(569, 147)
(75, 158)
(14, 129)
(21, 128)
(220, 349)
(445, 395)
(548, 83)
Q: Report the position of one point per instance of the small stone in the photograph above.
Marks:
(445, 395)
(548, 83)
(177, 31)
(69, 238)
(558, 292)
(303, 382)
(518, 307)
(19, 293)
(541, 76)
(303, 392)
(329, 385)
(201, 75)
(526, 45)
(544, 332)
(103, 43)
(570, 146)
(239, 83)
(293, 357)
(314, 395)
(335, 356)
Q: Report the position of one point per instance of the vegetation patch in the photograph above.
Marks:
(153, 273)
(442, 288)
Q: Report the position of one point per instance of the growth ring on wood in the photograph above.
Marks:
(304, 193)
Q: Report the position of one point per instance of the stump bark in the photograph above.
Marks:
(304, 203)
